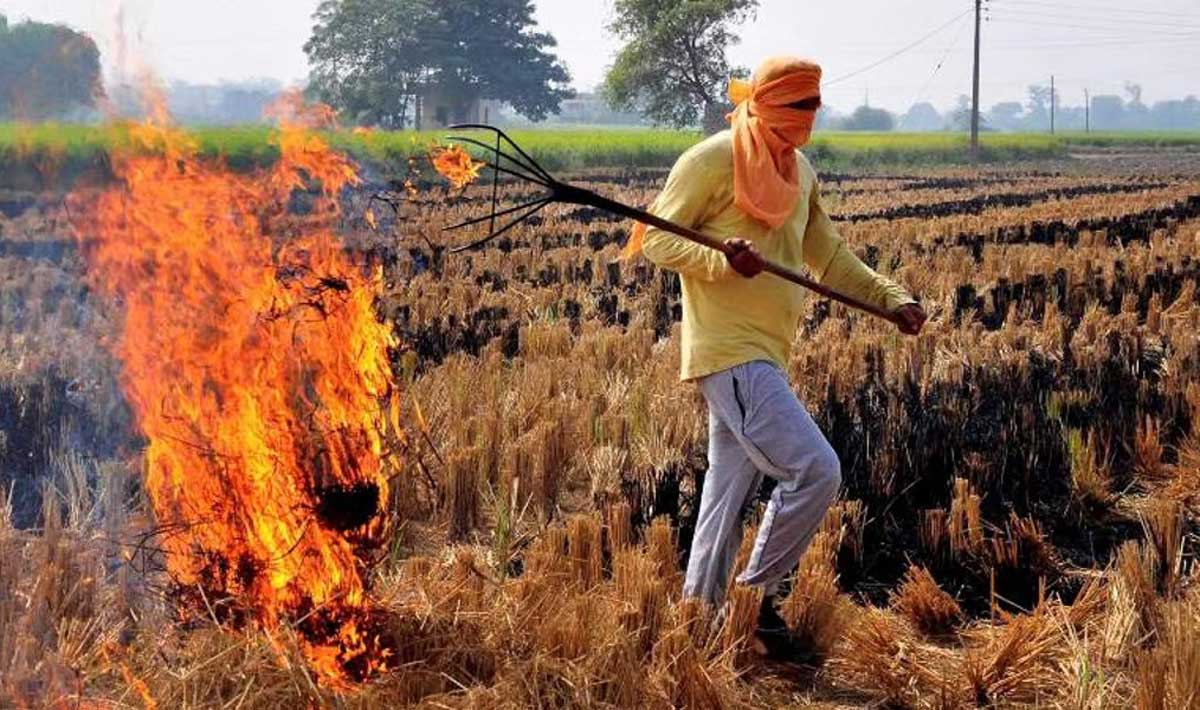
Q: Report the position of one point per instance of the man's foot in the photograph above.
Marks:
(772, 635)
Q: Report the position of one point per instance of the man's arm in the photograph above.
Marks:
(835, 266)
(685, 199)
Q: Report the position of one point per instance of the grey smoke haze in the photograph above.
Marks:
(1098, 46)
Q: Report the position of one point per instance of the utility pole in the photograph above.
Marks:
(975, 85)
(1051, 104)
(1087, 112)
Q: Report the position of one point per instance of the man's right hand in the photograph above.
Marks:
(744, 257)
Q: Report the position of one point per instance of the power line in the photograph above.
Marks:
(1059, 20)
(949, 48)
(1114, 39)
(1094, 9)
(900, 51)
(1108, 22)
(1108, 31)
(1184, 40)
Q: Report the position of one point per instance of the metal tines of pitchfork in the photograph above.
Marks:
(508, 158)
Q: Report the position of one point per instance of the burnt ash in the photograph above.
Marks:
(977, 205)
(46, 416)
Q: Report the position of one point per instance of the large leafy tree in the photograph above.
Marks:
(47, 70)
(489, 49)
(673, 66)
(370, 58)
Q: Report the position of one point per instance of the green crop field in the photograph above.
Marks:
(39, 153)
(1153, 139)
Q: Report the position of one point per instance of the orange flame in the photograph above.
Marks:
(456, 165)
(259, 374)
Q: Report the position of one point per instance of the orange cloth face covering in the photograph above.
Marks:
(766, 133)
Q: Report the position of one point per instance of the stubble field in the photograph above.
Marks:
(1017, 527)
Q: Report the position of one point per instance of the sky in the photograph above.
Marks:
(1097, 46)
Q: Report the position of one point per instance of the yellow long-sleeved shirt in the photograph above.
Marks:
(727, 318)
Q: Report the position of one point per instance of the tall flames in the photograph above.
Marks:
(259, 375)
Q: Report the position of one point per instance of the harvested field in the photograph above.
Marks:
(1017, 528)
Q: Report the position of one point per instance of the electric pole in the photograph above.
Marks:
(975, 85)
(1051, 104)
(1087, 112)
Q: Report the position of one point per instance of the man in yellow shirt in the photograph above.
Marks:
(752, 184)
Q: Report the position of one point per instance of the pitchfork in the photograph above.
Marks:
(523, 167)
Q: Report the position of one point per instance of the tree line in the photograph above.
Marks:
(1101, 112)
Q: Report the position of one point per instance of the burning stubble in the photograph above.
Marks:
(456, 165)
(259, 374)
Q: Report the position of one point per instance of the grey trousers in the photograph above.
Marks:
(757, 426)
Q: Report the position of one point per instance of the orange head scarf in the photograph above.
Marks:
(766, 133)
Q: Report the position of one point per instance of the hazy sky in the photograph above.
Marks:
(1085, 44)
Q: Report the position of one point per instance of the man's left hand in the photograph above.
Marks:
(911, 318)
(744, 257)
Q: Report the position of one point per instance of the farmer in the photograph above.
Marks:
(752, 185)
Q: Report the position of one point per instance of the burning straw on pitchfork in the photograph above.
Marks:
(505, 157)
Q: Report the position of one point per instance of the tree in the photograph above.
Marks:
(370, 58)
(48, 70)
(367, 57)
(1137, 115)
(1177, 114)
(1108, 112)
(673, 66)
(487, 49)
(960, 118)
(1038, 117)
(1006, 116)
(922, 117)
(1134, 91)
(866, 118)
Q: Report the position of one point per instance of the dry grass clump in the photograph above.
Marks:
(1022, 544)
(883, 656)
(965, 523)
(462, 493)
(604, 468)
(1165, 529)
(1148, 452)
(1017, 662)
(926, 605)
(815, 610)
(1050, 657)
(1168, 675)
(61, 602)
(741, 617)
(618, 528)
(1090, 474)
